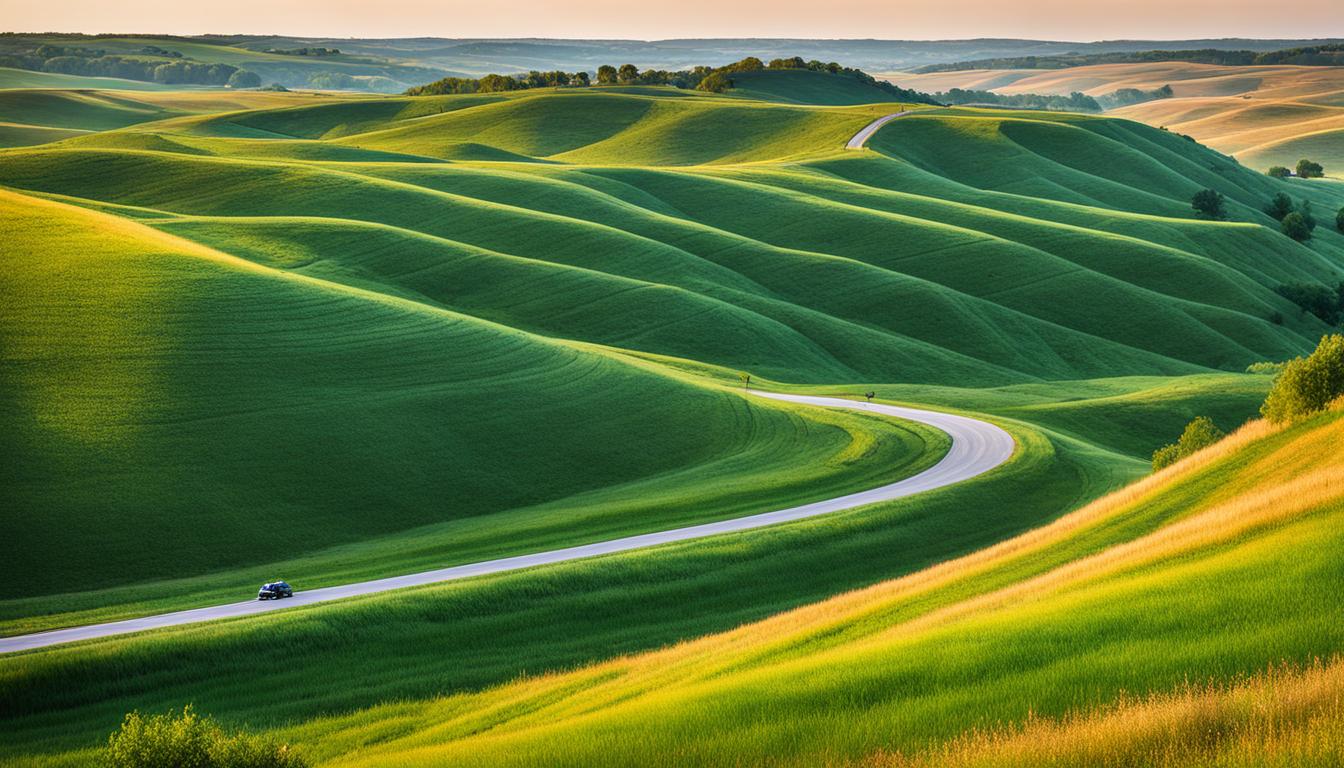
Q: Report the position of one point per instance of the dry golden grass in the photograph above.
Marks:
(1272, 115)
(1282, 717)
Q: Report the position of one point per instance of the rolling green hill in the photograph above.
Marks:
(328, 338)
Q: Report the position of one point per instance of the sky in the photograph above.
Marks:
(1081, 20)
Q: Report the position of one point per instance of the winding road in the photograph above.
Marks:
(977, 447)
(861, 138)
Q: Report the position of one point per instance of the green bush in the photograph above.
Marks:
(1307, 169)
(1295, 226)
(1279, 172)
(1200, 433)
(1264, 366)
(1208, 202)
(1309, 384)
(1279, 206)
(1339, 220)
(188, 740)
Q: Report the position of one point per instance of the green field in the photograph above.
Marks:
(333, 338)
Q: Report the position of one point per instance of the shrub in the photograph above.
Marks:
(1279, 172)
(1264, 367)
(1307, 385)
(1307, 169)
(1325, 303)
(244, 79)
(188, 740)
(1208, 202)
(1295, 226)
(1279, 206)
(1199, 433)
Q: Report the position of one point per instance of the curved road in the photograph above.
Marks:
(864, 135)
(977, 447)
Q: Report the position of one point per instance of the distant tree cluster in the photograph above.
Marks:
(712, 79)
(1318, 55)
(1279, 172)
(1309, 169)
(1074, 102)
(1199, 433)
(1209, 203)
(90, 62)
(1296, 221)
(1308, 385)
(1330, 55)
(305, 51)
(497, 83)
(1125, 97)
(1325, 303)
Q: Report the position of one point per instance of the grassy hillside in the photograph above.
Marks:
(1262, 115)
(802, 86)
(162, 343)
(323, 338)
(1238, 539)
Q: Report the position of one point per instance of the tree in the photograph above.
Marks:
(1279, 172)
(1208, 202)
(606, 75)
(579, 79)
(244, 79)
(1199, 433)
(1307, 169)
(716, 82)
(1304, 208)
(1279, 206)
(628, 73)
(1308, 385)
(1339, 220)
(1296, 227)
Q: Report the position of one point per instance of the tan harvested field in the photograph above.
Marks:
(1263, 116)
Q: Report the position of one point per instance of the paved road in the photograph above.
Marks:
(864, 135)
(977, 447)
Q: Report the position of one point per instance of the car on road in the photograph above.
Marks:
(274, 591)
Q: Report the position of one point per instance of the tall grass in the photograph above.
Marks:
(1285, 717)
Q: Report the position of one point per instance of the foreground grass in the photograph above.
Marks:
(1213, 568)
(1286, 717)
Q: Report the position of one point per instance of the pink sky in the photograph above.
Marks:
(890, 19)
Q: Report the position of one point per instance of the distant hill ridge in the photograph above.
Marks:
(1327, 55)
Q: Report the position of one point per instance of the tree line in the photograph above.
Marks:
(1074, 102)
(704, 78)
(1317, 55)
(91, 62)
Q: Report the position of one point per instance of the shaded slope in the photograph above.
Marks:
(179, 370)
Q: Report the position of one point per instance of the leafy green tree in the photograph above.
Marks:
(1279, 206)
(1307, 169)
(1308, 385)
(1339, 220)
(606, 75)
(188, 740)
(1209, 202)
(580, 79)
(244, 79)
(1199, 433)
(1296, 227)
(716, 82)
(1304, 208)
(628, 73)
(1279, 172)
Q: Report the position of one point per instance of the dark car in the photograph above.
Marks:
(274, 591)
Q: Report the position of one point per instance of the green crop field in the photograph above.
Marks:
(250, 335)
